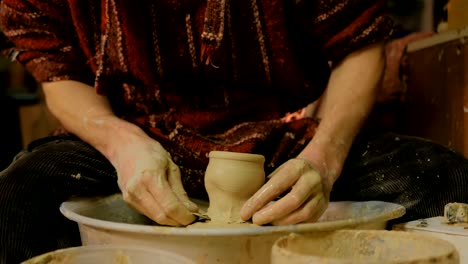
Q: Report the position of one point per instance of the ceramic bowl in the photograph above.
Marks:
(363, 247)
(109, 254)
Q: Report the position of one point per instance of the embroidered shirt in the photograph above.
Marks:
(147, 57)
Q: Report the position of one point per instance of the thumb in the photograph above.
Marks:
(175, 182)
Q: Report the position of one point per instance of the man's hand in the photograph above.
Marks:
(148, 178)
(306, 201)
(150, 182)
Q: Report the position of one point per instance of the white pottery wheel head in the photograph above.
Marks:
(112, 213)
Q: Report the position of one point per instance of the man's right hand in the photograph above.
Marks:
(151, 182)
(149, 179)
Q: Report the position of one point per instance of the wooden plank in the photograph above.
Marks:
(439, 39)
(436, 104)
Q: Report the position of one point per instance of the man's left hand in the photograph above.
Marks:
(306, 201)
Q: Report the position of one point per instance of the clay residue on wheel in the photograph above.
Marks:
(209, 224)
(122, 258)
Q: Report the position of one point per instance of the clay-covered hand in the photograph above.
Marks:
(151, 182)
(306, 201)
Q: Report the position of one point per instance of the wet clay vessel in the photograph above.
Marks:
(231, 178)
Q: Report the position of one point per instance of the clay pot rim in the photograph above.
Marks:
(280, 245)
(236, 156)
(107, 250)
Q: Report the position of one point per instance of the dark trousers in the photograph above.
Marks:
(416, 173)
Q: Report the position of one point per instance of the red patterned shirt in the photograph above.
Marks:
(148, 57)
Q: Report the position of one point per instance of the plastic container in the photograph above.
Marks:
(363, 247)
(109, 220)
(109, 254)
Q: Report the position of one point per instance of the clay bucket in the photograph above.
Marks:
(109, 254)
(363, 247)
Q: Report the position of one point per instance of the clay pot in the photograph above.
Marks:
(231, 178)
(118, 254)
(363, 247)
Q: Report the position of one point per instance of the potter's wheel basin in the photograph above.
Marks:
(109, 220)
(112, 213)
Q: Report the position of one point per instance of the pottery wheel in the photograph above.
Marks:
(112, 212)
(107, 220)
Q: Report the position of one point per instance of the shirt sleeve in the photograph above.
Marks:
(42, 37)
(343, 26)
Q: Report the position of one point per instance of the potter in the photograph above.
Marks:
(231, 178)
(140, 111)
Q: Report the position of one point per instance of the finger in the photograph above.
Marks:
(275, 172)
(157, 184)
(286, 177)
(267, 193)
(175, 182)
(310, 212)
(308, 184)
(144, 202)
